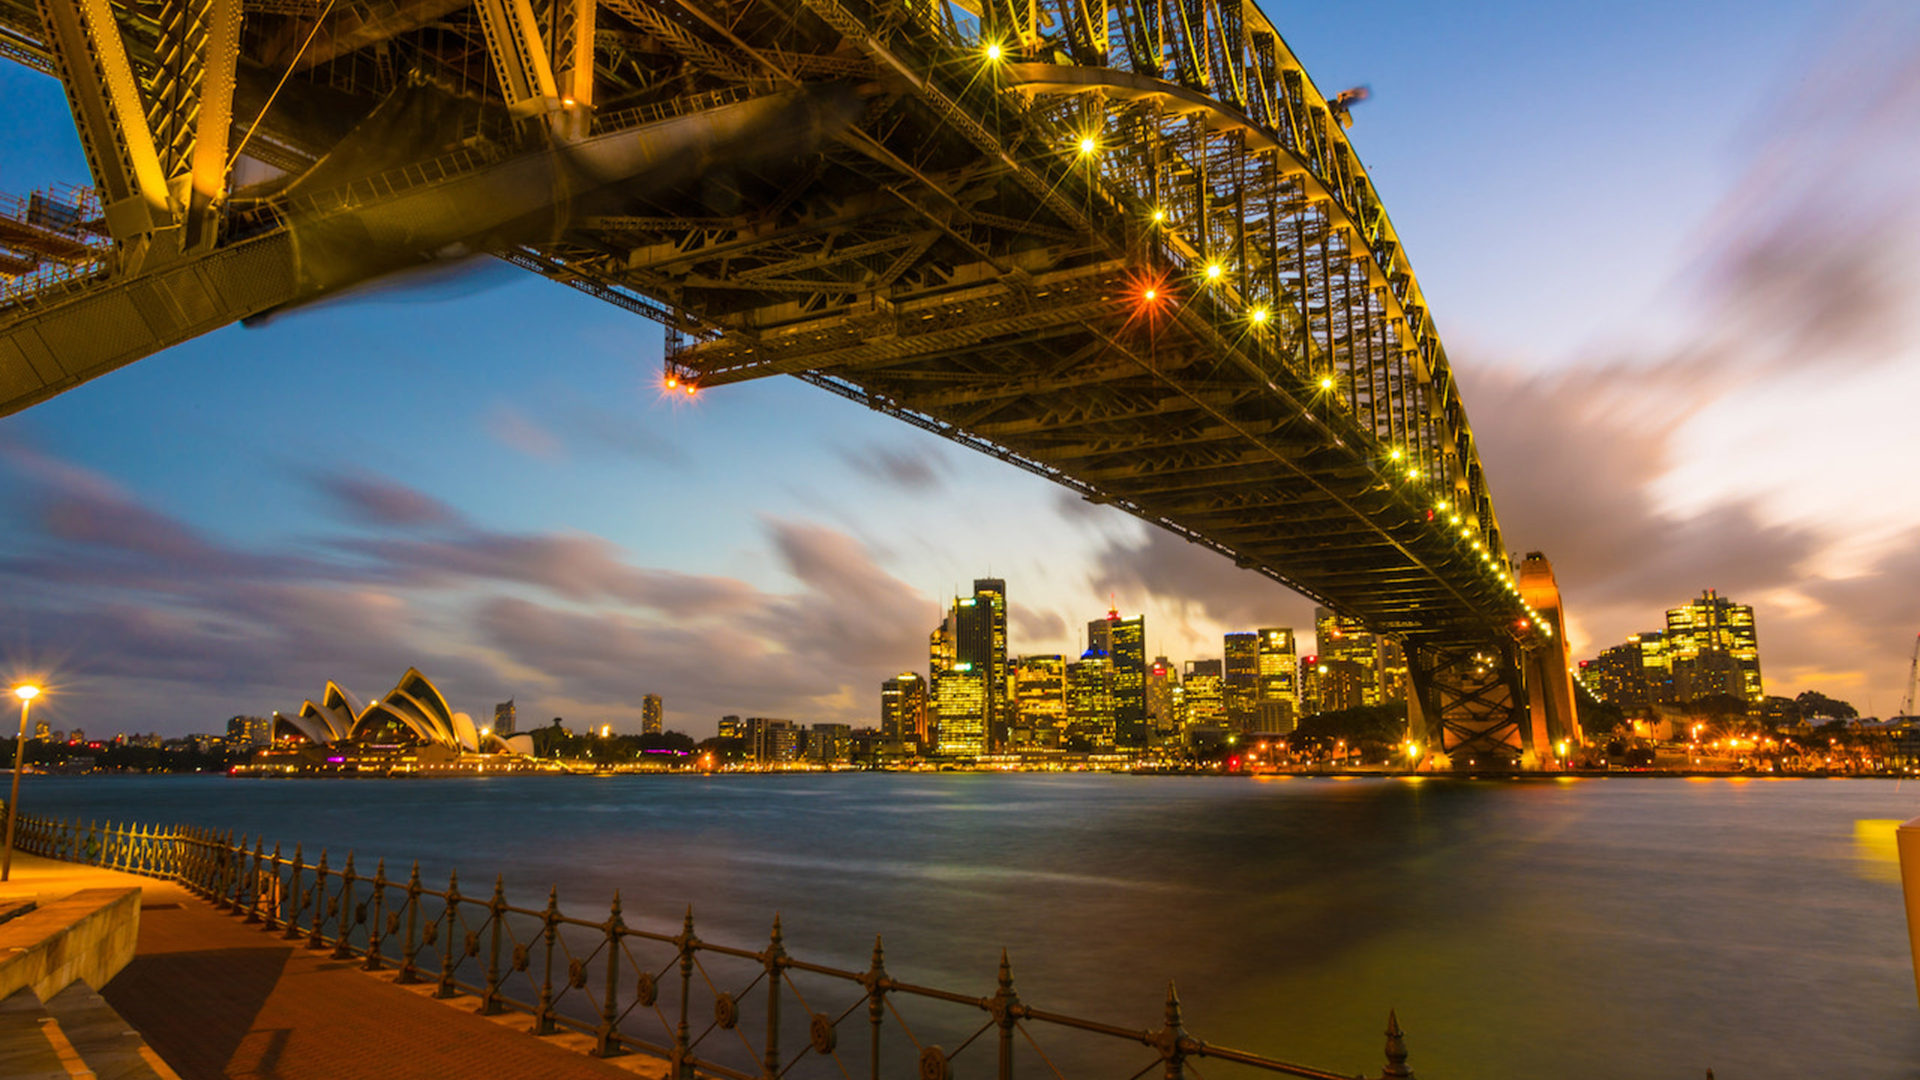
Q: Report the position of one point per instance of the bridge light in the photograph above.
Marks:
(1413, 474)
(1441, 506)
(1326, 382)
(1159, 215)
(1455, 519)
(1214, 271)
(1088, 145)
(1258, 315)
(993, 52)
(691, 389)
(1394, 454)
(1150, 295)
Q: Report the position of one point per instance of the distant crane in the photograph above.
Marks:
(1913, 681)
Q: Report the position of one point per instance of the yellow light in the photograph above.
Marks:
(690, 389)
(26, 691)
(1326, 382)
(1455, 519)
(1395, 454)
(1088, 145)
(1159, 215)
(1441, 506)
(1150, 294)
(993, 51)
(672, 382)
(1258, 315)
(1214, 270)
(1413, 474)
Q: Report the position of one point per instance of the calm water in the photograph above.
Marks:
(1599, 928)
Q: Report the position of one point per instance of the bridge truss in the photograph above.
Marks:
(1123, 244)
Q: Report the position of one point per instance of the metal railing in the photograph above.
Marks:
(709, 1010)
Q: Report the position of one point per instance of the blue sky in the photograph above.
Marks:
(1685, 358)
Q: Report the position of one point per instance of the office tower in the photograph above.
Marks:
(42, 731)
(771, 741)
(967, 657)
(1204, 694)
(1124, 643)
(1714, 649)
(1330, 685)
(830, 744)
(1344, 638)
(903, 709)
(1276, 693)
(732, 728)
(1618, 676)
(1310, 686)
(1040, 700)
(1163, 719)
(1394, 686)
(248, 732)
(1090, 715)
(990, 607)
(652, 717)
(960, 701)
(505, 716)
(1240, 679)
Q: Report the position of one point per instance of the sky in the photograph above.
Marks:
(1670, 248)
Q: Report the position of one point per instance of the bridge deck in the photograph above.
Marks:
(219, 998)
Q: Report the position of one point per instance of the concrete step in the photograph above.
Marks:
(13, 907)
(108, 1045)
(26, 1050)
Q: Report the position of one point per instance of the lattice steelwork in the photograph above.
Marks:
(1125, 245)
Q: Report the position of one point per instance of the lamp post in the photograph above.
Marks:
(26, 692)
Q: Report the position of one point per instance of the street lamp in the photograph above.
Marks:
(26, 692)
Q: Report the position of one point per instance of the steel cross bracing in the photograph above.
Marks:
(968, 248)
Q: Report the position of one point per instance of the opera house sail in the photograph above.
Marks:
(409, 729)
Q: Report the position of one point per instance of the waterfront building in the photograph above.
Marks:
(42, 731)
(1040, 700)
(1240, 679)
(960, 702)
(731, 727)
(1394, 684)
(1124, 643)
(1203, 695)
(1276, 690)
(990, 605)
(1618, 676)
(903, 711)
(770, 740)
(1713, 648)
(1310, 698)
(830, 744)
(967, 662)
(249, 732)
(1337, 684)
(413, 714)
(652, 715)
(505, 718)
(1090, 713)
(1163, 717)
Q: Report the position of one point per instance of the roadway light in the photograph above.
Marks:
(26, 692)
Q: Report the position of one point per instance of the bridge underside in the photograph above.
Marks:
(1136, 256)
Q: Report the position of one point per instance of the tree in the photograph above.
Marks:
(1813, 703)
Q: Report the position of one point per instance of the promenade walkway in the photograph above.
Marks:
(220, 998)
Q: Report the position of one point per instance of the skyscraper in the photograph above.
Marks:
(1163, 720)
(990, 603)
(1277, 697)
(652, 717)
(1714, 649)
(1240, 679)
(960, 699)
(504, 718)
(1040, 700)
(1090, 714)
(1342, 637)
(1203, 693)
(1124, 643)
(903, 709)
(970, 647)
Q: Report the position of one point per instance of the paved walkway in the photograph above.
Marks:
(220, 998)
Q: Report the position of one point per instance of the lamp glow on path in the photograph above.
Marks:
(26, 692)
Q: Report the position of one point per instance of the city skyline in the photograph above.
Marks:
(574, 541)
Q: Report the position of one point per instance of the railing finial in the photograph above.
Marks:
(1396, 1050)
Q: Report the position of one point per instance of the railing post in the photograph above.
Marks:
(317, 933)
(446, 988)
(775, 962)
(1397, 1051)
(407, 974)
(1173, 1038)
(292, 929)
(682, 1035)
(278, 896)
(607, 1043)
(876, 980)
(253, 892)
(343, 943)
(550, 929)
(1006, 1013)
(496, 914)
(376, 925)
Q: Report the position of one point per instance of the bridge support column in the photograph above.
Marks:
(1473, 704)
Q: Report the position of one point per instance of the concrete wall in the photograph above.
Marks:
(88, 936)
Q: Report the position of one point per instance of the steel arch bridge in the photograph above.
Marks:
(1123, 244)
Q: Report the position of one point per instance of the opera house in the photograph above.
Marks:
(410, 729)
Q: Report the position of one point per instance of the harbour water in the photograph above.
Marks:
(1595, 928)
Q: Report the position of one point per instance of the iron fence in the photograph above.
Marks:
(708, 1009)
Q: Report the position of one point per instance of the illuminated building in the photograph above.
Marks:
(1040, 700)
(1090, 700)
(652, 717)
(1124, 643)
(1393, 672)
(1310, 673)
(1163, 715)
(1203, 694)
(1336, 684)
(1618, 676)
(771, 741)
(1240, 679)
(830, 744)
(732, 728)
(903, 709)
(409, 729)
(42, 731)
(1713, 648)
(1276, 690)
(972, 644)
(249, 732)
(505, 718)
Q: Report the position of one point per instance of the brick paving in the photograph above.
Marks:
(220, 998)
